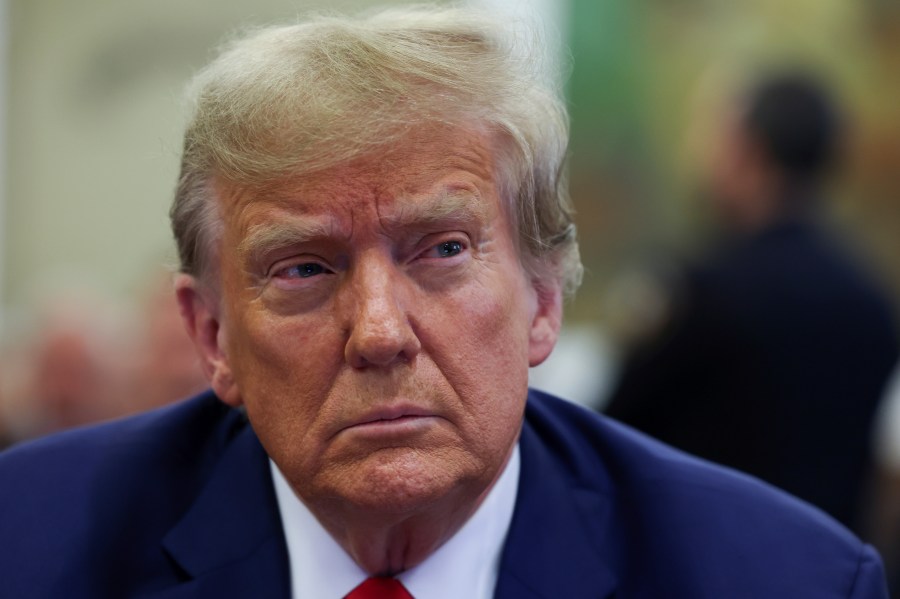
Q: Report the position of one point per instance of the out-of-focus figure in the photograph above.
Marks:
(72, 366)
(883, 525)
(5, 431)
(87, 357)
(166, 367)
(776, 348)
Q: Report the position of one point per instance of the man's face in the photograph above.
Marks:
(377, 324)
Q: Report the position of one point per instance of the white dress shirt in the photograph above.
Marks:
(464, 566)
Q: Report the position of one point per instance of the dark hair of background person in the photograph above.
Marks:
(794, 119)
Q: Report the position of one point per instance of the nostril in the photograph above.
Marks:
(381, 341)
(379, 345)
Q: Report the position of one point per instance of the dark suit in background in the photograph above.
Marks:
(179, 503)
(773, 364)
(779, 348)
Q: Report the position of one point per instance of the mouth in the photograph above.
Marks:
(398, 420)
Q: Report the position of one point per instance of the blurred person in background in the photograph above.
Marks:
(87, 358)
(776, 348)
(165, 365)
(883, 523)
(6, 436)
(73, 366)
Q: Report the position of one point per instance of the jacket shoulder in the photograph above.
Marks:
(199, 426)
(681, 526)
(106, 493)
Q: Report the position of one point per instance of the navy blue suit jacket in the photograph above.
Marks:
(179, 503)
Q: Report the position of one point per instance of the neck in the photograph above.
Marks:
(386, 546)
(772, 203)
(385, 540)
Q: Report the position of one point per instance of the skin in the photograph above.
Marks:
(377, 323)
(744, 188)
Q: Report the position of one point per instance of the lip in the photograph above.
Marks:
(391, 420)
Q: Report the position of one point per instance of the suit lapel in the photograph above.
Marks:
(230, 543)
(557, 544)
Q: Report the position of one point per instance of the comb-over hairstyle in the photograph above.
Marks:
(288, 101)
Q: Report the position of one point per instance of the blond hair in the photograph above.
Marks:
(287, 101)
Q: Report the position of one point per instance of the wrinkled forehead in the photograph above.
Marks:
(429, 162)
(430, 172)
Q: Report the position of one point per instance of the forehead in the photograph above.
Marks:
(431, 173)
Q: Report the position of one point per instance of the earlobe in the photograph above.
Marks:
(200, 313)
(546, 323)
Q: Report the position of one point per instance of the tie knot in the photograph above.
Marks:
(380, 587)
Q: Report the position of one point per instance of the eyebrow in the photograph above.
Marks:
(272, 236)
(449, 206)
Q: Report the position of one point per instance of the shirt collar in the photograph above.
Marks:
(464, 566)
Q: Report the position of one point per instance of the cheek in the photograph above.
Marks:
(284, 368)
(496, 314)
(483, 353)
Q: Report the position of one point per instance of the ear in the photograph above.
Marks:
(546, 322)
(200, 312)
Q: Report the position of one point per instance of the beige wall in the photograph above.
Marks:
(93, 133)
(4, 53)
(94, 124)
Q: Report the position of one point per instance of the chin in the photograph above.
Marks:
(403, 481)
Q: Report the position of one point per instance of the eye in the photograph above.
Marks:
(301, 271)
(448, 249)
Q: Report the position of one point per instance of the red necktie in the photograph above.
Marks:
(380, 588)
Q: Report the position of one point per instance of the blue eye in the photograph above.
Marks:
(449, 248)
(304, 271)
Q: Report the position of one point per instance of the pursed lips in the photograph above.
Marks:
(397, 418)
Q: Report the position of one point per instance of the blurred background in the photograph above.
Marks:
(90, 121)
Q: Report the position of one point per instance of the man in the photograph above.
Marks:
(780, 345)
(375, 243)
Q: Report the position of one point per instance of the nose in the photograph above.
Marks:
(381, 333)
